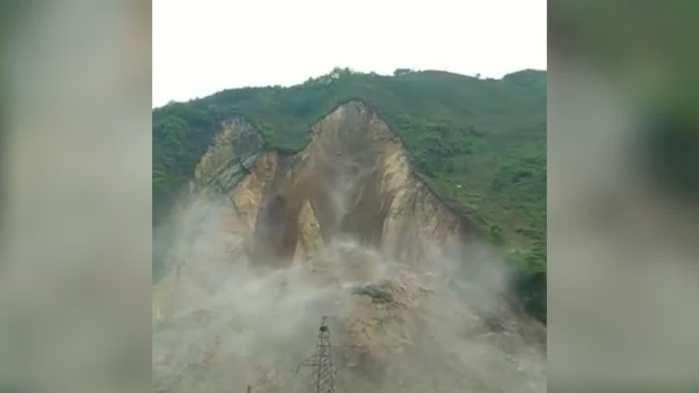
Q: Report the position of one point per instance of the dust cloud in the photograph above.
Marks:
(223, 321)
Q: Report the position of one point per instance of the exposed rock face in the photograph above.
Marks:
(310, 240)
(356, 174)
(227, 162)
(353, 180)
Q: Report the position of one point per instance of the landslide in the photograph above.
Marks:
(270, 241)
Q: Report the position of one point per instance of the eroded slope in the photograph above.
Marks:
(353, 180)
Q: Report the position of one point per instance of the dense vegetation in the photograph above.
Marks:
(480, 143)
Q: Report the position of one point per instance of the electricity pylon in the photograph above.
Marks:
(322, 361)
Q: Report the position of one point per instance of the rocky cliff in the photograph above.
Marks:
(352, 180)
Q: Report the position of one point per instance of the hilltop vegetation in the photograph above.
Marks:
(479, 143)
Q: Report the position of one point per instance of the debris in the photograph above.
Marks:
(378, 294)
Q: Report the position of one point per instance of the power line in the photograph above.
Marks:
(322, 361)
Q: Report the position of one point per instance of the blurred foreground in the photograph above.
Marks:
(75, 249)
(623, 196)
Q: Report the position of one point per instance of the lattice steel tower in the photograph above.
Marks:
(322, 361)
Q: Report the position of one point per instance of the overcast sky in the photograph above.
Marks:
(203, 46)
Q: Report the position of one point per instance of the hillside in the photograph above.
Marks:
(480, 144)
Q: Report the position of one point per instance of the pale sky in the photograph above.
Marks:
(204, 46)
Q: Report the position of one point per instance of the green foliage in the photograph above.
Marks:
(181, 135)
(479, 143)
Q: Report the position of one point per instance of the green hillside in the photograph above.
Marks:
(480, 143)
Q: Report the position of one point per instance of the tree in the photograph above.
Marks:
(402, 71)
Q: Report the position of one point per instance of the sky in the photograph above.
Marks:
(204, 46)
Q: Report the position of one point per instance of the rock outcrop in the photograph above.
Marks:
(353, 180)
(230, 158)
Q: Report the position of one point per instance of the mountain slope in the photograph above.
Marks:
(272, 241)
(480, 144)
